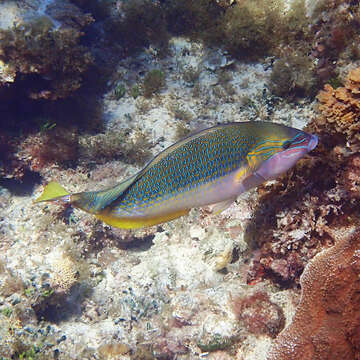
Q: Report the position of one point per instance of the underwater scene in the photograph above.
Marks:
(180, 179)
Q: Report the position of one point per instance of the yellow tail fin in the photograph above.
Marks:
(52, 191)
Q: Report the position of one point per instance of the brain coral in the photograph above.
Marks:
(326, 325)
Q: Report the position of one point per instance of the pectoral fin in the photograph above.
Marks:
(252, 181)
(248, 179)
(221, 206)
(241, 174)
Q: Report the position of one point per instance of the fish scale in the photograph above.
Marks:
(172, 177)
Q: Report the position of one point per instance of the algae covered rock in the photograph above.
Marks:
(53, 58)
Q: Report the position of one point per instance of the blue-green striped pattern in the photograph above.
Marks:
(196, 162)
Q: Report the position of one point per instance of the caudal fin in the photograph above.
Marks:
(53, 191)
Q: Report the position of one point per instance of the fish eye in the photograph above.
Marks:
(286, 144)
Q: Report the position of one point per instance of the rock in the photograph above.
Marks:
(216, 60)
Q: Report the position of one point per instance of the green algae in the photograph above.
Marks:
(119, 91)
(36, 48)
(217, 342)
(154, 81)
(7, 311)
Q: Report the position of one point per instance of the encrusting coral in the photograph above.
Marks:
(327, 321)
(258, 314)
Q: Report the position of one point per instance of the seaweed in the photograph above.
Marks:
(189, 17)
(115, 145)
(141, 23)
(250, 28)
(54, 58)
(293, 76)
(154, 81)
(54, 146)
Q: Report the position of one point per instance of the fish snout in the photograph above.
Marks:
(312, 142)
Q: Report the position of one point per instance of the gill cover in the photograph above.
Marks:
(293, 150)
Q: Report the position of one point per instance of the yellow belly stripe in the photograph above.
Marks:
(135, 223)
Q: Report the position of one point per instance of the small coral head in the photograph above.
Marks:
(291, 150)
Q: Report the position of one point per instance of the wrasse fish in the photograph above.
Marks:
(212, 166)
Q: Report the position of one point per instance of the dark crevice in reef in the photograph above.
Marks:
(138, 244)
(61, 306)
(23, 187)
(19, 114)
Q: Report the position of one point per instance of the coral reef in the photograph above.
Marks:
(319, 193)
(340, 108)
(327, 320)
(72, 287)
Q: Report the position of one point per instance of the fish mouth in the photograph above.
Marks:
(313, 142)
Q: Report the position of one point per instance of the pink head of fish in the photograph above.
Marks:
(282, 161)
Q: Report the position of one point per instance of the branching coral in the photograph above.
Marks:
(327, 321)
